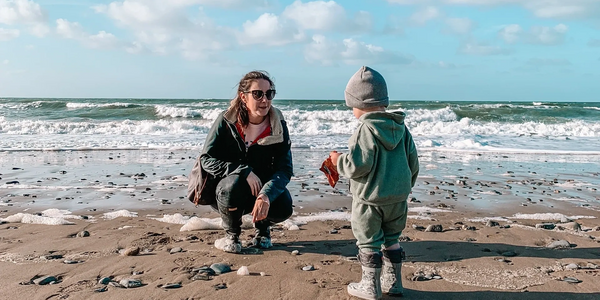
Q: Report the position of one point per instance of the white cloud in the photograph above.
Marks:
(163, 27)
(24, 12)
(326, 16)
(540, 8)
(482, 49)
(540, 35)
(72, 30)
(459, 26)
(269, 30)
(351, 52)
(5, 62)
(8, 34)
(21, 12)
(421, 17)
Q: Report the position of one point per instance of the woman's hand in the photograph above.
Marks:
(261, 208)
(334, 157)
(254, 183)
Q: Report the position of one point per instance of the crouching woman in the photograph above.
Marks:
(248, 162)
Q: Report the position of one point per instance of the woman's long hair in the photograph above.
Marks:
(243, 86)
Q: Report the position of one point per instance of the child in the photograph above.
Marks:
(382, 166)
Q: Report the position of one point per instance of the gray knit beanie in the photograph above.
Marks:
(366, 88)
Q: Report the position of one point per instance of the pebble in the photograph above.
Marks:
(104, 280)
(294, 228)
(243, 271)
(571, 280)
(333, 231)
(100, 290)
(45, 280)
(131, 251)
(548, 226)
(83, 234)
(175, 250)
(418, 227)
(466, 227)
(295, 252)
(491, 223)
(308, 268)
(572, 267)
(434, 228)
(172, 285)
(220, 268)
(130, 283)
(204, 270)
(220, 286)
(70, 262)
(263, 274)
(562, 244)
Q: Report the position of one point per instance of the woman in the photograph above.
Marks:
(249, 163)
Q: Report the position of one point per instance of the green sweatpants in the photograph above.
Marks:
(374, 226)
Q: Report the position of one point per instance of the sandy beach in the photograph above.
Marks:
(82, 224)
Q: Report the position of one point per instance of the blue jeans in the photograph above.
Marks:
(235, 199)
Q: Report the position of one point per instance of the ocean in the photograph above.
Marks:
(112, 124)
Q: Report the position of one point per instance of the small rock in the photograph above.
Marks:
(70, 262)
(83, 234)
(571, 280)
(562, 244)
(104, 280)
(572, 267)
(295, 252)
(45, 280)
(263, 274)
(220, 268)
(491, 223)
(333, 231)
(130, 283)
(466, 227)
(308, 268)
(175, 250)
(434, 228)
(172, 285)
(131, 251)
(220, 286)
(548, 226)
(243, 271)
(418, 227)
(101, 290)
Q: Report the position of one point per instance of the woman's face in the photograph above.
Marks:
(257, 108)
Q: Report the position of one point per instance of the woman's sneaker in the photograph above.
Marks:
(230, 243)
(262, 239)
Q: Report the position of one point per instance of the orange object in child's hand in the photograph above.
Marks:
(330, 171)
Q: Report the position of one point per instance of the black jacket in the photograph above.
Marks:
(270, 158)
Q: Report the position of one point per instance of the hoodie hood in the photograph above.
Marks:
(387, 127)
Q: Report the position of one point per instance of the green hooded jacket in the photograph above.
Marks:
(382, 163)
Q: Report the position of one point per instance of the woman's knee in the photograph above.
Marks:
(231, 190)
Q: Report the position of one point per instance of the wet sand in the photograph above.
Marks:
(488, 206)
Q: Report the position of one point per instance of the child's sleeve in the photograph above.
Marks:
(358, 162)
(413, 158)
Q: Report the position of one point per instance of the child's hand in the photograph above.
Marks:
(334, 157)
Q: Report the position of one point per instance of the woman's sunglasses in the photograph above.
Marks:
(258, 94)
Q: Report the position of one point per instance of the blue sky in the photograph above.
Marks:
(514, 50)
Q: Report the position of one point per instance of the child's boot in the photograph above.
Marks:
(370, 285)
(391, 276)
